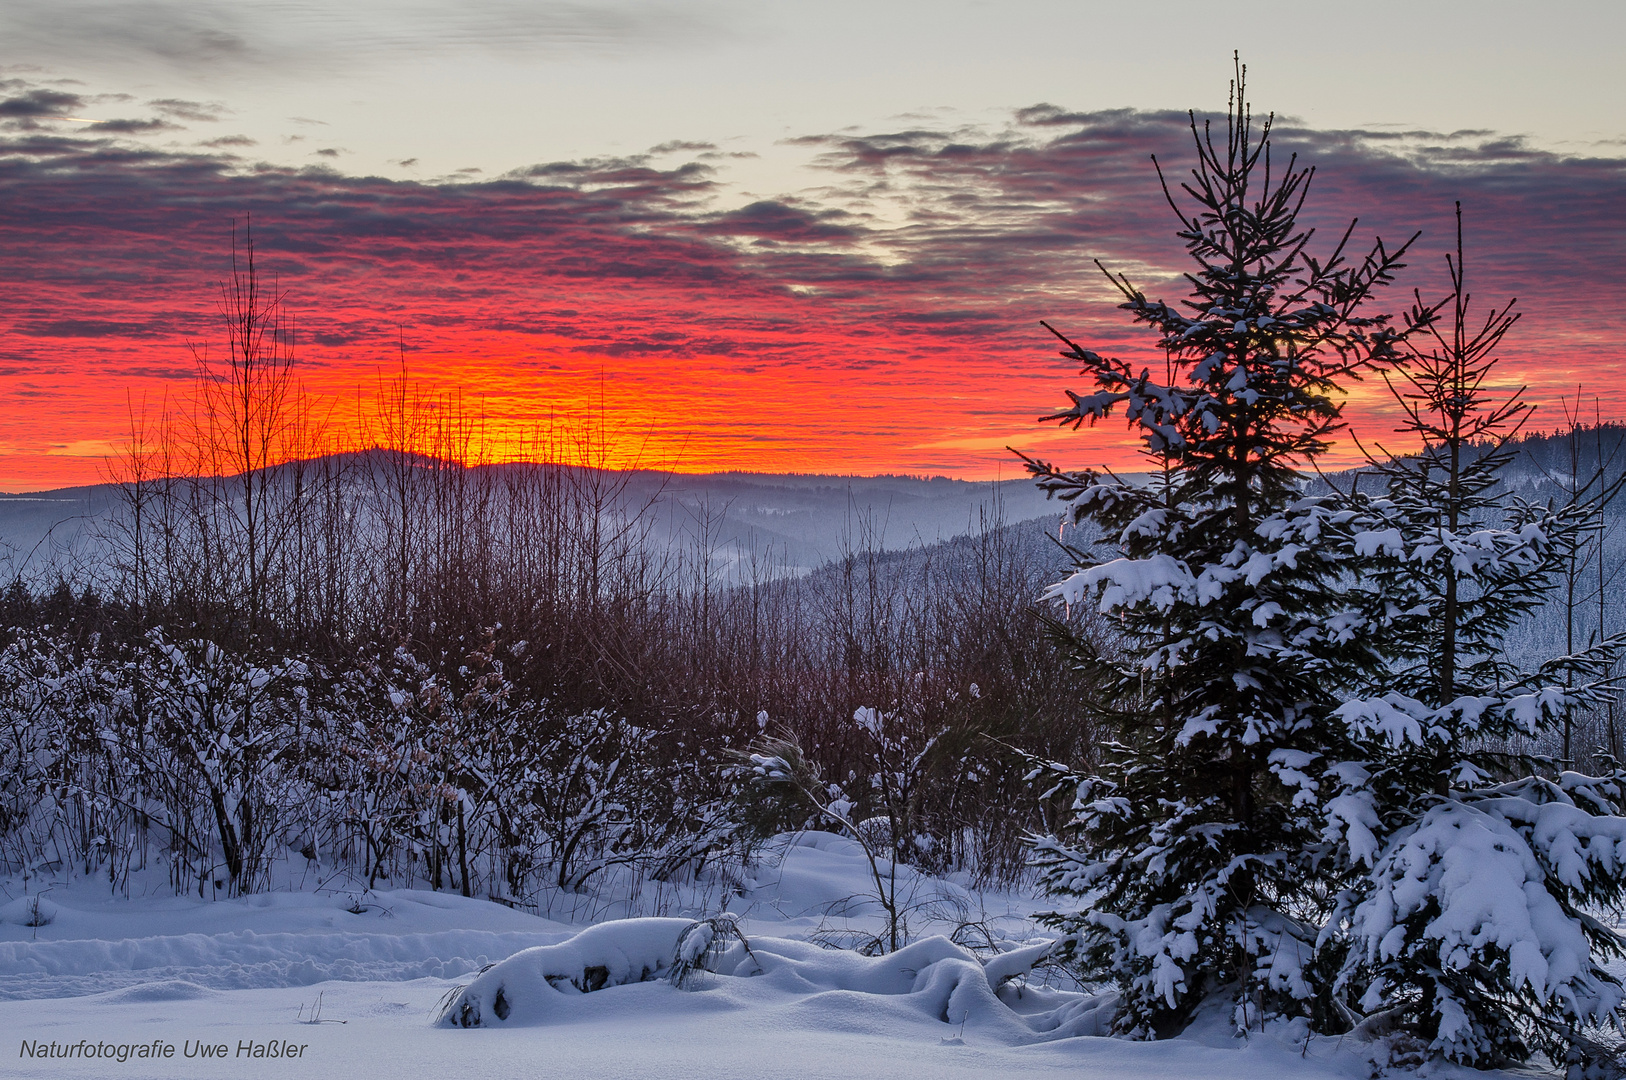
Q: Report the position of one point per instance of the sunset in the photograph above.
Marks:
(763, 286)
(776, 540)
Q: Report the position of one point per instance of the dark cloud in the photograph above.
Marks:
(196, 111)
(176, 33)
(1062, 188)
(87, 328)
(771, 220)
(680, 146)
(339, 337)
(39, 104)
(176, 371)
(286, 41)
(135, 127)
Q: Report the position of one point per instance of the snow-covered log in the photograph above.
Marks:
(935, 976)
(527, 986)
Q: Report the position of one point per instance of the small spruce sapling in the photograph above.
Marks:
(1472, 923)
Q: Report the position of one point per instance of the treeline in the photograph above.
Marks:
(413, 667)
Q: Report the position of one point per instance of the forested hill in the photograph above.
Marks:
(790, 523)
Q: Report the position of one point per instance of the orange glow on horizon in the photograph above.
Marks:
(481, 405)
(787, 335)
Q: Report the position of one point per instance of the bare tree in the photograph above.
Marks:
(244, 412)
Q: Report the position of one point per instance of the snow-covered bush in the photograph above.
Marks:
(454, 769)
(231, 728)
(30, 746)
(705, 946)
(776, 769)
(87, 779)
(388, 769)
(1479, 923)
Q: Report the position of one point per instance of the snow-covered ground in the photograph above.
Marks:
(345, 983)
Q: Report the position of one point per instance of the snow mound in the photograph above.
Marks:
(933, 977)
(29, 911)
(527, 986)
(163, 990)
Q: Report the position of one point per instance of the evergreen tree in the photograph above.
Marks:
(1198, 848)
(1473, 927)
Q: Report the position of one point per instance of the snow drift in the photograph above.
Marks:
(933, 976)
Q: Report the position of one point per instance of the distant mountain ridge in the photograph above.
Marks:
(800, 521)
(796, 523)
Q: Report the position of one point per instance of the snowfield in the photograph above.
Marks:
(390, 984)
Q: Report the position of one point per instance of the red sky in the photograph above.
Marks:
(886, 321)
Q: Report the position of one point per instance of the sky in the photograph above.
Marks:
(769, 236)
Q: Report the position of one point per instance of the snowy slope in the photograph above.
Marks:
(251, 972)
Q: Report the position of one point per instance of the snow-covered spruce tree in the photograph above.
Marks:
(1197, 850)
(1474, 928)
